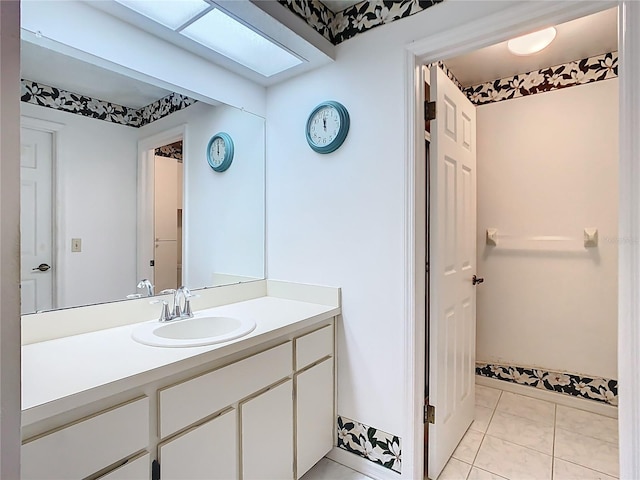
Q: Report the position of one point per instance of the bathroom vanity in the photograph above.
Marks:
(101, 405)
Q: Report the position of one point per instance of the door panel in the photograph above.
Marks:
(452, 259)
(165, 274)
(36, 214)
(267, 435)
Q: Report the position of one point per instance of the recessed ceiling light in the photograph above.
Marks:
(236, 41)
(531, 43)
(170, 13)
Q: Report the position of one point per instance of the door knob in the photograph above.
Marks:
(43, 267)
(475, 280)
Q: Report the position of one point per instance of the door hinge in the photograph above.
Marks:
(155, 470)
(429, 111)
(429, 414)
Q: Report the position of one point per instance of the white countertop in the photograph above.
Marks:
(61, 374)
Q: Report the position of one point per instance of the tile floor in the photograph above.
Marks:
(327, 469)
(517, 438)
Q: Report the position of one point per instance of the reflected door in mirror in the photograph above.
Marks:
(167, 219)
(36, 213)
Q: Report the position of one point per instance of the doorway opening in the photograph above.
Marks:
(161, 209)
(167, 216)
(530, 238)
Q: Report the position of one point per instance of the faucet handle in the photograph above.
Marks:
(165, 315)
(187, 312)
(168, 290)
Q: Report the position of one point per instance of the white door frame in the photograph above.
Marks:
(145, 202)
(516, 19)
(58, 220)
(10, 361)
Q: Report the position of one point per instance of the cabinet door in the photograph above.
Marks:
(315, 419)
(267, 435)
(209, 451)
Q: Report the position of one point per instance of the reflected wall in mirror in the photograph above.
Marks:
(90, 141)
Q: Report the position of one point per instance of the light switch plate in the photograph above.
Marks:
(76, 244)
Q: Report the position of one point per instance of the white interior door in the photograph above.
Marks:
(452, 256)
(165, 223)
(36, 225)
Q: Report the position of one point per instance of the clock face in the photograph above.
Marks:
(217, 152)
(327, 127)
(324, 126)
(220, 151)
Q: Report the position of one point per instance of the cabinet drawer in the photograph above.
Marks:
(137, 469)
(314, 346)
(190, 401)
(89, 445)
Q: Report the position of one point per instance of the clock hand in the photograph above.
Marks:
(324, 123)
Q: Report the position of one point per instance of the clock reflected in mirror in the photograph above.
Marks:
(327, 127)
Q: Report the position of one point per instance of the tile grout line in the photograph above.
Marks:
(590, 436)
(553, 445)
(484, 434)
(588, 468)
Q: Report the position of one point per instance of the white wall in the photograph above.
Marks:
(548, 165)
(338, 219)
(96, 201)
(224, 213)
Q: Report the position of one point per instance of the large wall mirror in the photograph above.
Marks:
(116, 186)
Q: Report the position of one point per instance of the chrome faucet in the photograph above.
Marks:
(186, 294)
(178, 310)
(144, 283)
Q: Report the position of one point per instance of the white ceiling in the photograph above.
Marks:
(581, 38)
(264, 17)
(51, 68)
(338, 5)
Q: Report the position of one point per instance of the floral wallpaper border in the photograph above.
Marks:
(593, 388)
(363, 16)
(162, 108)
(59, 99)
(370, 443)
(173, 150)
(578, 72)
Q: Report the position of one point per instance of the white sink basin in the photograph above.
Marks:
(192, 332)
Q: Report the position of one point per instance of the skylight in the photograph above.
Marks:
(170, 13)
(238, 42)
(214, 29)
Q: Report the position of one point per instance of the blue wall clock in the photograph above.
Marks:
(220, 152)
(327, 127)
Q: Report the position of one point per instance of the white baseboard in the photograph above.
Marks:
(558, 398)
(362, 465)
